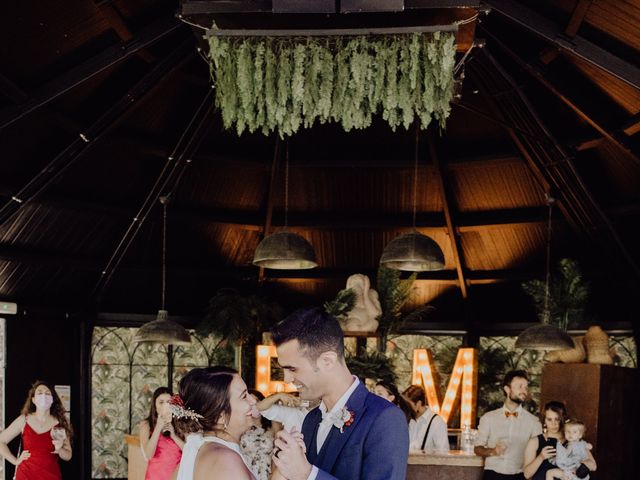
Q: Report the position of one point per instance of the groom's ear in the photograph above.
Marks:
(327, 360)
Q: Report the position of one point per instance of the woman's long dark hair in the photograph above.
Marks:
(399, 400)
(152, 419)
(557, 407)
(56, 410)
(205, 391)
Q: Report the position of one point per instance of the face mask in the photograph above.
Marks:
(43, 401)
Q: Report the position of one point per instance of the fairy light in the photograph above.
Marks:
(462, 387)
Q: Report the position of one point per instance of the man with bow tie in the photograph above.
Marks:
(353, 434)
(503, 433)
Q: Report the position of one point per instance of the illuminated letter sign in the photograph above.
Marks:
(464, 377)
(264, 354)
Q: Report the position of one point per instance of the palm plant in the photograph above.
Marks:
(568, 295)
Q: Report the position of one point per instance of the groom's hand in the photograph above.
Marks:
(290, 458)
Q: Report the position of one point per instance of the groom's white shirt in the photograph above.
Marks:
(327, 421)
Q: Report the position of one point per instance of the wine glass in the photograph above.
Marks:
(58, 433)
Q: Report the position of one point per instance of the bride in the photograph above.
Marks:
(213, 410)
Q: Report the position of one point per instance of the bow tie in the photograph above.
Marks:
(510, 414)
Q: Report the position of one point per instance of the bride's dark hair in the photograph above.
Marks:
(205, 391)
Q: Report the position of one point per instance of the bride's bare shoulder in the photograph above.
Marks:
(220, 462)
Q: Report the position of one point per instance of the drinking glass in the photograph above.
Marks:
(58, 433)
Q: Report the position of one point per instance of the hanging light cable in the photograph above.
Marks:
(162, 329)
(545, 336)
(413, 252)
(285, 250)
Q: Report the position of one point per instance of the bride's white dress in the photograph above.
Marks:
(190, 451)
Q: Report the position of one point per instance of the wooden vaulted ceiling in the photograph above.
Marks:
(101, 99)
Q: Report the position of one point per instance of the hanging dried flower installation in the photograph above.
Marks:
(276, 84)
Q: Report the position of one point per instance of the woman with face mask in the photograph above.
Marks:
(46, 436)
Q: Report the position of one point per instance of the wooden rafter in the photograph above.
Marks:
(458, 256)
(165, 184)
(89, 69)
(577, 16)
(578, 46)
(88, 139)
(67, 261)
(542, 76)
(556, 166)
(114, 18)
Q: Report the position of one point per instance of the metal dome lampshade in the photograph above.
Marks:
(285, 251)
(545, 336)
(162, 329)
(413, 252)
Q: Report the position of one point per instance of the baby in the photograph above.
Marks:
(571, 455)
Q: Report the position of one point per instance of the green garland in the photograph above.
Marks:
(280, 84)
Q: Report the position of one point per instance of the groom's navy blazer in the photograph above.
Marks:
(374, 447)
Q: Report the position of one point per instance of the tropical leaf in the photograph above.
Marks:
(568, 295)
(341, 305)
(375, 365)
(236, 318)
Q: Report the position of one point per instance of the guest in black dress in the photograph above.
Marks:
(543, 447)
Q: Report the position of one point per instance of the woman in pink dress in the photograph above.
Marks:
(158, 439)
(46, 436)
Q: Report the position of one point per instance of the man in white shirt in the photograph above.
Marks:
(428, 432)
(353, 434)
(503, 433)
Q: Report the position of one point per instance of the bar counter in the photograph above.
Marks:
(454, 465)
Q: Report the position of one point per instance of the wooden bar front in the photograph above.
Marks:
(605, 398)
(454, 465)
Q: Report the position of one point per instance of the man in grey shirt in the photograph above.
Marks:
(503, 433)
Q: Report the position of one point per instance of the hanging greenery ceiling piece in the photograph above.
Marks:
(278, 84)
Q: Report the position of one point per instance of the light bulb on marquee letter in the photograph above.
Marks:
(464, 374)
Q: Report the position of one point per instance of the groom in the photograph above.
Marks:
(352, 434)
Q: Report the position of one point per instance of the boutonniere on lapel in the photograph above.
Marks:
(345, 418)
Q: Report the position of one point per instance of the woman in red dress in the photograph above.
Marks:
(46, 436)
(158, 439)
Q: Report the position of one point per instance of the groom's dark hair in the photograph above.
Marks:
(316, 331)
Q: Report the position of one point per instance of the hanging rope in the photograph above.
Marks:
(547, 293)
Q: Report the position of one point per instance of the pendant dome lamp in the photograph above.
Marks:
(285, 250)
(162, 329)
(545, 336)
(413, 252)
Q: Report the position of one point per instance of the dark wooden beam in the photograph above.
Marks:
(559, 169)
(371, 221)
(66, 261)
(166, 182)
(10, 90)
(89, 69)
(632, 126)
(577, 16)
(447, 203)
(543, 76)
(118, 24)
(578, 46)
(204, 7)
(91, 136)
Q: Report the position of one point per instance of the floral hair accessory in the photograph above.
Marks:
(343, 418)
(178, 410)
